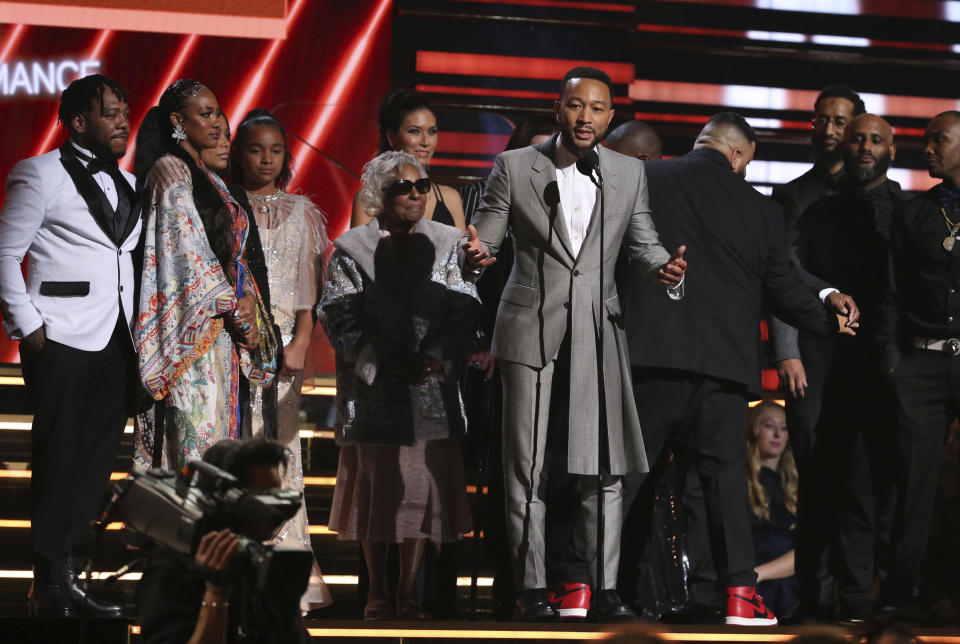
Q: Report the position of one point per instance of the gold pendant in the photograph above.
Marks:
(948, 243)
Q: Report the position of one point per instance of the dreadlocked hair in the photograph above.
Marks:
(79, 96)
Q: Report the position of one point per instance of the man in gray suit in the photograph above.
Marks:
(549, 320)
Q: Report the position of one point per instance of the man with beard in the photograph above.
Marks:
(77, 215)
(843, 239)
(802, 359)
(548, 328)
(922, 324)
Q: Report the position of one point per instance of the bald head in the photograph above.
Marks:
(731, 135)
(635, 139)
(868, 150)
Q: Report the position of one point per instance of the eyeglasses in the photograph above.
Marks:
(823, 121)
(405, 186)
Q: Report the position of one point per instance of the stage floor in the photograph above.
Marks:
(46, 631)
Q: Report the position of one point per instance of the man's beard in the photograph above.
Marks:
(860, 175)
(826, 157)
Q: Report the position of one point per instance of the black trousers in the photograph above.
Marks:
(81, 401)
(852, 462)
(706, 420)
(927, 386)
(815, 503)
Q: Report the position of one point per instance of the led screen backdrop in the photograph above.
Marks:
(323, 74)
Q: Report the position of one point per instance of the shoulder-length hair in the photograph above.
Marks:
(786, 470)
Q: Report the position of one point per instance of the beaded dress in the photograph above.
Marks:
(294, 238)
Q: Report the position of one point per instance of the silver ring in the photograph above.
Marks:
(245, 327)
(476, 364)
(236, 314)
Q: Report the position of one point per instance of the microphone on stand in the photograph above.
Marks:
(589, 164)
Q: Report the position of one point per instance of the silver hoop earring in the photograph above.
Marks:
(178, 133)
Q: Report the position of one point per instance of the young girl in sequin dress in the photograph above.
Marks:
(294, 238)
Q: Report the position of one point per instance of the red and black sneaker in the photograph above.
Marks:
(571, 600)
(745, 608)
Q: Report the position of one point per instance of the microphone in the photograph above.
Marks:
(589, 164)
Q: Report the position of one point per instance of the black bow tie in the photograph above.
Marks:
(100, 165)
(96, 164)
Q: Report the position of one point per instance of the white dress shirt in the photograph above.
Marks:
(104, 180)
(578, 195)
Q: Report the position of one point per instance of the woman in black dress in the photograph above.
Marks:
(408, 123)
(772, 497)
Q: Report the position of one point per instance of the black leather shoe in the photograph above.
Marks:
(534, 606)
(610, 607)
(46, 600)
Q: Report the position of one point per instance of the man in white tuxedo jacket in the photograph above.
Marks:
(77, 216)
(548, 327)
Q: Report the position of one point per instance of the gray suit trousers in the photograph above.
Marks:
(526, 415)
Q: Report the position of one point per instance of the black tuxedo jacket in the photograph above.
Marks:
(735, 248)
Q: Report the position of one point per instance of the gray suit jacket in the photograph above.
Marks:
(551, 293)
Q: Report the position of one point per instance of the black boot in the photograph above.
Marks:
(45, 598)
(57, 593)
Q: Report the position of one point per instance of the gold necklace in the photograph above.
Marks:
(949, 240)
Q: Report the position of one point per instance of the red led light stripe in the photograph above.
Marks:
(502, 93)
(98, 46)
(671, 118)
(692, 31)
(186, 48)
(445, 62)
(14, 36)
(255, 82)
(333, 94)
(561, 4)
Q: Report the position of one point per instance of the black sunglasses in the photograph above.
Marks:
(404, 186)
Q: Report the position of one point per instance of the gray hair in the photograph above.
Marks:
(379, 173)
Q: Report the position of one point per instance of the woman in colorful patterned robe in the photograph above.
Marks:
(201, 320)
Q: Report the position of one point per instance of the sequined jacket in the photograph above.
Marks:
(378, 313)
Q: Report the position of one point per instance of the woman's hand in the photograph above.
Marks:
(294, 356)
(243, 321)
(483, 361)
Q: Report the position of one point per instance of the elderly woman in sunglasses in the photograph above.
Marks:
(403, 325)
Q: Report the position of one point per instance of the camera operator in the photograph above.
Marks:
(203, 600)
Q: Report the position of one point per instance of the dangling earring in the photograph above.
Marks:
(178, 133)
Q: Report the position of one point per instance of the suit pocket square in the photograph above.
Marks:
(64, 289)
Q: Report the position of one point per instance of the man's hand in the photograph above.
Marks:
(483, 361)
(215, 551)
(473, 251)
(672, 272)
(846, 308)
(35, 341)
(793, 378)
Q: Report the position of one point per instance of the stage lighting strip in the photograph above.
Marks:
(400, 633)
(24, 422)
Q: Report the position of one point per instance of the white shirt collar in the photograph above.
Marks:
(90, 155)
